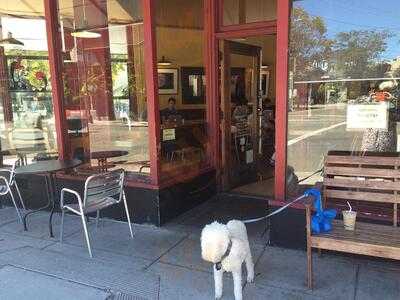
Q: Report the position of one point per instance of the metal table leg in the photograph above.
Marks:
(49, 178)
(51, 191)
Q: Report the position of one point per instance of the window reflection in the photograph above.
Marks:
(182, 99)
(26, 117)
(104, 85)
(248, 11)
(343, 87)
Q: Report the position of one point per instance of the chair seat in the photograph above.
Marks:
(94, 206)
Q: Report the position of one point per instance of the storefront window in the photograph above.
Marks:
(182, 87)
(104, 85)
(248, 11)
(26, 118)
(343, 81)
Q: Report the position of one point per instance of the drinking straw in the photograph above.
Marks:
(349, 205)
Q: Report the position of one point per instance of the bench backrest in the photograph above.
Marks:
(363, 177)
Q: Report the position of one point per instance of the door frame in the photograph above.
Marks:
(212, 33)
(227, 48)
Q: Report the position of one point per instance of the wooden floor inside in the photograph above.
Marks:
(262, 188)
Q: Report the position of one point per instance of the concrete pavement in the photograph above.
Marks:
(165, 263)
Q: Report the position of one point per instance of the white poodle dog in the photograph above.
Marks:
(227, 247)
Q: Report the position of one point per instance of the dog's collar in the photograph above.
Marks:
(218, 265)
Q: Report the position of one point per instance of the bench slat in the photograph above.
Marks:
(365, 232)
(362, 196)
(362, 160)
(355, 247)
(362, 172)
(362, 184)
(368, 239)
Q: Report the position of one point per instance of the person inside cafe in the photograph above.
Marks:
(170, 113)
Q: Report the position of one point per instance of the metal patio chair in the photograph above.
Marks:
(101, 191)
(7, 183)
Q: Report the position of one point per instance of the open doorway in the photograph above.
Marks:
(247, 103)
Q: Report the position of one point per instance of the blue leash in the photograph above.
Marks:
(321, 221)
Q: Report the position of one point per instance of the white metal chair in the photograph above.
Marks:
(8, 183)
(101, 191)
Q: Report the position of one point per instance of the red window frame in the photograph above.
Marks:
(212, 32)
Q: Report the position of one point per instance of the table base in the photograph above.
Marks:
(50, 191)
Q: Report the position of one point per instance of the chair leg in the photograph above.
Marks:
(19, 195)
(62, 225)
(16, 207)
(86, 235)
(127, 216)
(97, 218)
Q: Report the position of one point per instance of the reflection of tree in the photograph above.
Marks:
(309, 46)
(357, 53)
(354, 54)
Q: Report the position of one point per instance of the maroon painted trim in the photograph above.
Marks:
(246, 32)
(129, 183)
(219, 11)
(252, 25)
(181, 177)
(150, 61)
(56, 70)
(282, 60)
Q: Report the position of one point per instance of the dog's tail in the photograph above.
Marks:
(237, 228)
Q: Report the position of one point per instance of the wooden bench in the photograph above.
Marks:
(359, 180)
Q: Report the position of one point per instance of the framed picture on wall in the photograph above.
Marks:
(167, 81)
(264, 78)
(193, 82)
(193, 85)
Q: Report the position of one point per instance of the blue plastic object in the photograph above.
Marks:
(321, 221)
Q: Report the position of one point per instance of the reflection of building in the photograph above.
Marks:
(105, 95)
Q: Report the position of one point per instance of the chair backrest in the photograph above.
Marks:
(15, 165)
(363, 177)
(100, 186)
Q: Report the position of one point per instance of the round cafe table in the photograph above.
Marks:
(48, 168)
(102, 157)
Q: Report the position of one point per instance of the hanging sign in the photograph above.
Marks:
(169, 134)
(363, 116)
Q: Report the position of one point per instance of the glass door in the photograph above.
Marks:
(240, 104)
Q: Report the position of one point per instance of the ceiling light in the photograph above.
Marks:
(10, 42)
(85, 34)
(164, 62)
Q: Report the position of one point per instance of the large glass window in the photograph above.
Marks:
(104, 85)
(248, 11)
(343, 80)
(182, 87)
(26, 112)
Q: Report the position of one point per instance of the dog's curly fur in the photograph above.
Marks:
(215, 239)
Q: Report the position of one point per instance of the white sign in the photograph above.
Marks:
(169, 134)
(363, 116)
(249, 156)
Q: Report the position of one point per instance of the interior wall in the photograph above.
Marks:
(268, 45)
(184, 48)
(249, 11)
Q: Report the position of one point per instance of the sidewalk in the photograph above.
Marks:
(165, 263)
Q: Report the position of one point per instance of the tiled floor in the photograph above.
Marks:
(165, 263)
